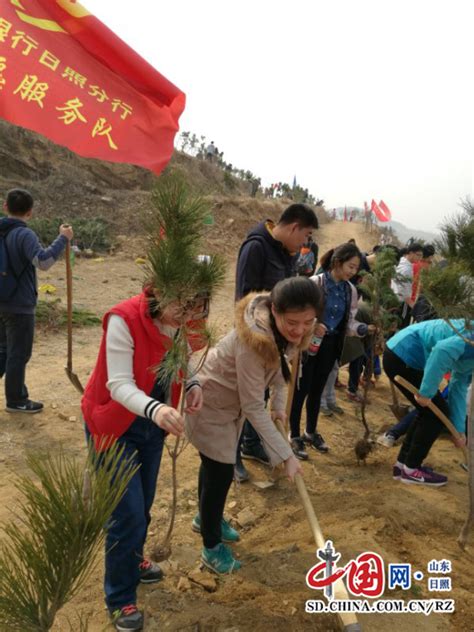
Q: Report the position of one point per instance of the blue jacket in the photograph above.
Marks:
(25, 254)
(433, 347)
(262, 262)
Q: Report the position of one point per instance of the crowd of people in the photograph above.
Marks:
(288, 308)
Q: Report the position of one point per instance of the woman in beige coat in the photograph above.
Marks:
(269, 330)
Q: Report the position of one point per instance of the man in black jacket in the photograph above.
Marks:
(267, 256)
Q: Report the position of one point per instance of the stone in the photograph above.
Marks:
(72, 418)
(184, 584)
(232, 504)
(204, 580)
(246, 517)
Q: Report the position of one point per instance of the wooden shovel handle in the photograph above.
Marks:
(439, 413)
(69, 305)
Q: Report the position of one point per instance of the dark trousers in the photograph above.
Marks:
(355, 371)
(215, 480)
(425, 429)
(126, 532)
(16, 345)
(310, 386)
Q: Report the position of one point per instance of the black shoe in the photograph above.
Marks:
(28, 407)
(316, 442)
(240, 473)
(255, 453)
(297, 445)
(150, 572)
(127, 619)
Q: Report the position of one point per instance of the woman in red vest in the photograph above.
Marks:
(125, 401)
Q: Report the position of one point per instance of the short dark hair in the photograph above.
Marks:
(428, 251)
(300, 213)
(414, 247)
(19, 201)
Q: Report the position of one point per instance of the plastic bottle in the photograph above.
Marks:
(314, 345)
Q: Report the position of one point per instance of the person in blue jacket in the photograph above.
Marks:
(423, 354)
(21, 255)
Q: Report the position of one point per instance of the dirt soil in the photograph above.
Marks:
(359, 507)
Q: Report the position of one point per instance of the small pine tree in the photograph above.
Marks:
(50, 547)
(178, 271)
(383, 304)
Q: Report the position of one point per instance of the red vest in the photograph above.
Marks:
(106, 418)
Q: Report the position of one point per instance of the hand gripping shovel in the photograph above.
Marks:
(347, 620)
(75, 381)
(441, 416)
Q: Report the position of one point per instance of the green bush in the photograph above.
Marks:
(52, 315)
(92, 234)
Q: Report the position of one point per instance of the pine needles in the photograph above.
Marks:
(50, 547)
(175, 239)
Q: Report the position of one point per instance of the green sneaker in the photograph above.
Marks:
(220, 559)
(228, 533)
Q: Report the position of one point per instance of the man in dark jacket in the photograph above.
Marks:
(21, 254)
(268, 255)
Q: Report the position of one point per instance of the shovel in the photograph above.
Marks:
(75, 381)
(399, 410)
(441, 416)
(347, 620)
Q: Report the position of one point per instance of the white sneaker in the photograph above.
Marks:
(386, 440)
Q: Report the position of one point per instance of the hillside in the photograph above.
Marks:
(359, 507)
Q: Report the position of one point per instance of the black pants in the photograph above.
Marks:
(215, 480)
(16, 345)
(310, 386)
(426, 428)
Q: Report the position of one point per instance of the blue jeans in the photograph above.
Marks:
(16, 345)
(400, 429)
(128, 526)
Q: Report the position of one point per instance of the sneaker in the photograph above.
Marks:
(127, 619)
(255, 452)
(424, 476)
(397, 471)
(297, 445)
(316, 442)
(28, 407)
(228, 533)
(241, 474)
(220, 559)
(386, 440)
(327, 412)
(336, 409)
(150, 572)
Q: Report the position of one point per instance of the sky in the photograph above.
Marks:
(359, 100)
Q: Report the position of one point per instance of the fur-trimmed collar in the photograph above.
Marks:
(252, 323)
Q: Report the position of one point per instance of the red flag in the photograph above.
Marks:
(379, 214)
(64, 74)
(386, 211)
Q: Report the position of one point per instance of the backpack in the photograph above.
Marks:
(305, 263)
(9, 279)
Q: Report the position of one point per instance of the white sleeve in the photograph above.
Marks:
(121, 380)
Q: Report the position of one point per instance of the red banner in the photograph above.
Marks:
(386, 211)
(64, 74)
(379, 214)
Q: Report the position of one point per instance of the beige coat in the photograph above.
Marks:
(234, 378)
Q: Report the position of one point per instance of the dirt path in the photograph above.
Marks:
(360, 507)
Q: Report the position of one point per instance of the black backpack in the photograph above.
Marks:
(9, 279)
